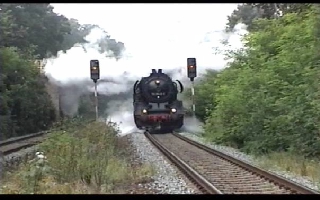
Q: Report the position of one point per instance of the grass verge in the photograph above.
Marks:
(79, 160)
(297, 165)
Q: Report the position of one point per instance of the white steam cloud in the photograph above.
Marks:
(155, 36)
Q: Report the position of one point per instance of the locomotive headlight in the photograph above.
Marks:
(144, 111)
(157, 81)
(173, 110)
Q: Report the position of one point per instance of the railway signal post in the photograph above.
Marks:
(95, 76)
(192, 73)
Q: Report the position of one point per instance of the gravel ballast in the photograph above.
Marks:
(250, 159)
(168, 179)
(12, 161)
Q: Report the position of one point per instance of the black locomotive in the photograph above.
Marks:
(155, 103)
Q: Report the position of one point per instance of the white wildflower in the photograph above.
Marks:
(41, 155)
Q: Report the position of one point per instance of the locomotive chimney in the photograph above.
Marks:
(154, 71)
(159, 71)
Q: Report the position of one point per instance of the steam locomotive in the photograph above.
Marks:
(155, 103)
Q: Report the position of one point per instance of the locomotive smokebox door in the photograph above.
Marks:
(192, 68)
(94, 70)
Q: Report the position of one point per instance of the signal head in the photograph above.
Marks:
(94, 70)
(192, 68)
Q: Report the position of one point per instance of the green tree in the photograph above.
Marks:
(248, 12)
(33, 25)
(268, 97)
(77, 34)
(23, 24)
(24, 99)
(30, 32)
(204, 94)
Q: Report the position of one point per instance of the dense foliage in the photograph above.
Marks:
(29, 32)
(267, 99)
(25, 105)
(246, 13)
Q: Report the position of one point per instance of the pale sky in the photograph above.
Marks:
(155, 36)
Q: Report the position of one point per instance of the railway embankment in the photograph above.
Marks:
(74, 159)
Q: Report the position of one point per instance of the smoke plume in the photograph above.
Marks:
(165, 42)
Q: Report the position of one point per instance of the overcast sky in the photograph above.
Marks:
(155, 35)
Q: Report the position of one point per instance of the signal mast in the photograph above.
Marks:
(95, 76)
(192, 73)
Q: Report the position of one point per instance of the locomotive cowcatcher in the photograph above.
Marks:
(155, 103)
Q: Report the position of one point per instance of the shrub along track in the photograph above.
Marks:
(217, 173)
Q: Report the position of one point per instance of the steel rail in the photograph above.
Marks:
(204, 185)
(269, 176)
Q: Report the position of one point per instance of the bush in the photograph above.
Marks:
(81, 160)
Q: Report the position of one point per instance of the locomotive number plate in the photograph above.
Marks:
(158, 93)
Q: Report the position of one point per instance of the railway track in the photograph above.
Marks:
(13, 145)
(217, 173)
(16, 144)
